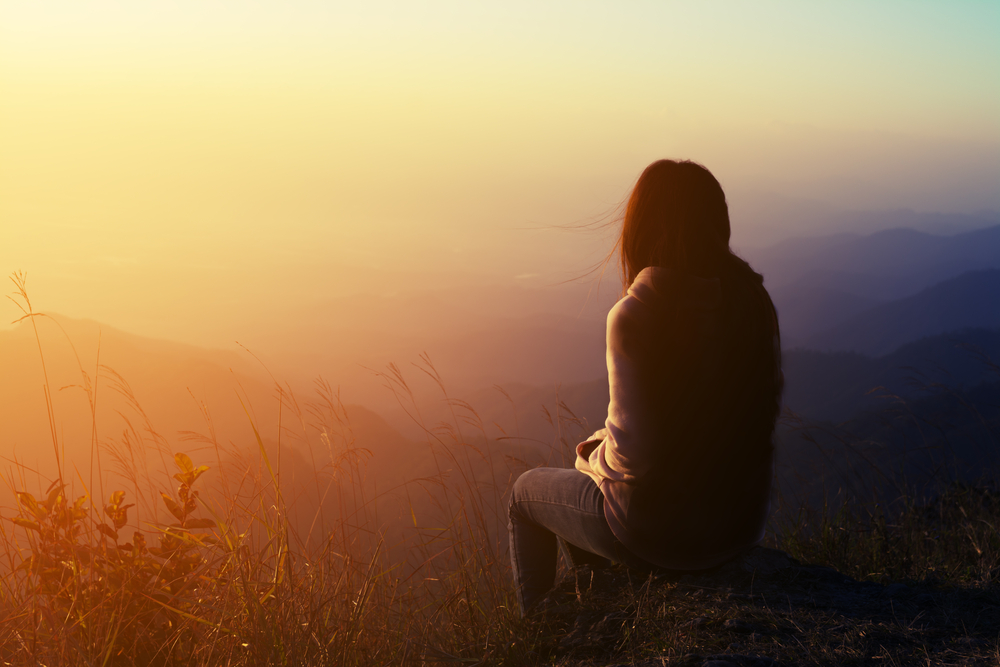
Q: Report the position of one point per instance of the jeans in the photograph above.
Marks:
(551, 503)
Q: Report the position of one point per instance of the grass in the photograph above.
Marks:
(952, 538)
(227, 578)
(136, 576)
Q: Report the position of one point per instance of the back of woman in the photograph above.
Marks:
(715, 378)
(680, 476)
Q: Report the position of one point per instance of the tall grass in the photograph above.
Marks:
(140, 576)
(910, 503)
(237, 573)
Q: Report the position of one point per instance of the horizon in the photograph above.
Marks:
(201, 173)
(309, 287)
(336, 189)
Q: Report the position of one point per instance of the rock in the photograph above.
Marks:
(764, 561)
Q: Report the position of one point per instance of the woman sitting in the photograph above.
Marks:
(680, 476)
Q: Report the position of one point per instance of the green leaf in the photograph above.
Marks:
(116, 499)
(79, 511)
(172, 505)
(183, 462)
(191, 477)
(28, 501)
(107, 530)
(120, 517)
(54, 496)
(25, 523)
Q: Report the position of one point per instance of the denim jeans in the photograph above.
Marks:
(551, 503)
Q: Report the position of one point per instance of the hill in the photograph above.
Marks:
(818, 283)
(819, 386)
(972, 300)
(834, 386)
(141, 383)
(886, 264)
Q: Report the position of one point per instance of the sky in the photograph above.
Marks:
(194, 170)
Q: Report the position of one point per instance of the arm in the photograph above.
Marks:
(623, 454)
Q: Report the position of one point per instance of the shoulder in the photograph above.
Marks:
(638, 304)
(630, 328)
(629, 314)
(658, 291)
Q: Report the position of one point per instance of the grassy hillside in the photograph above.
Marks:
(235, 583)
(280, 545)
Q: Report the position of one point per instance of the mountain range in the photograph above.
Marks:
(971, 300)
(914, 313)
(818, 283)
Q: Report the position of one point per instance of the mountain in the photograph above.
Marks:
(818, 283)
(147, 390)
(972, 300)
(834, 386)
(803, 312)
(904, 260)
(550, 418)
(914, 447)
(476, 336)
(761, 219)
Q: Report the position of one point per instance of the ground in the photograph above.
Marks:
(765, 609)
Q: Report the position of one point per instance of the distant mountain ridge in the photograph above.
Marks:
(972, 300)
(834, 386)
(818, 283)
(916, 259)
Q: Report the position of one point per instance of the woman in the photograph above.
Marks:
(680, 476)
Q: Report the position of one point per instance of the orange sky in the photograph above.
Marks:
(193, 170)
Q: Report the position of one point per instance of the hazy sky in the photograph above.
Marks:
(169, 168)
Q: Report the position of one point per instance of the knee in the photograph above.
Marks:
(520, 489)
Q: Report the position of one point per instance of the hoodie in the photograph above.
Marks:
(678, 492)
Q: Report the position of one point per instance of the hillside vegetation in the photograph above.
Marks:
(280, 545)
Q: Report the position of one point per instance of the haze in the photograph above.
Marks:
(277, 174)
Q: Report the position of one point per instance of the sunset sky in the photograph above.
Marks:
(184, 169)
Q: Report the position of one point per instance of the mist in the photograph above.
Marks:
(323, 191)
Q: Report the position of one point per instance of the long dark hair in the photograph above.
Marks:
(677, 217)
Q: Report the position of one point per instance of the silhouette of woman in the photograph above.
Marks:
(680, 476)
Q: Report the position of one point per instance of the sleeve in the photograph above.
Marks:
(624, 452)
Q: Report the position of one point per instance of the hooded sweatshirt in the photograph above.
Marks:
(683, 486)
